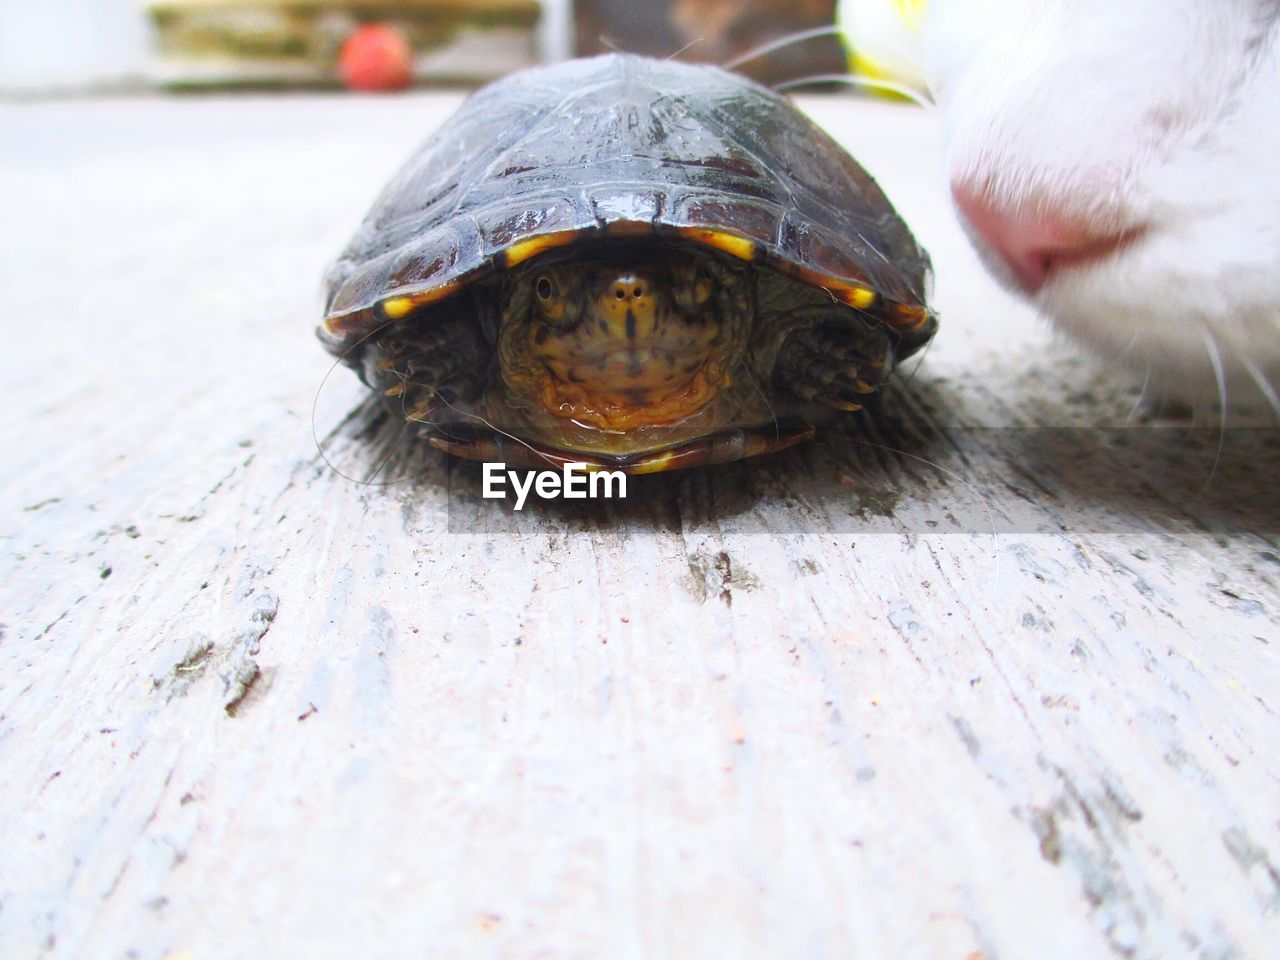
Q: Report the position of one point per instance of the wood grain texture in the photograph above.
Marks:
(974, 678)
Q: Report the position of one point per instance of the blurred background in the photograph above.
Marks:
(71, 47)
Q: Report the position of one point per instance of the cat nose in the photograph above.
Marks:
(1035, 238)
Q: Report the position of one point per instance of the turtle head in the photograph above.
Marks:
(622, 339)
(625, 300)
(641, 356)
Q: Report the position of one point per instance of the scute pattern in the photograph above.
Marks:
(595, 144)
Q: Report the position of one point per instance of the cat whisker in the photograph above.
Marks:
(755, 383)
(905, 381)
(907, 54)
(1215, 359)
(369, 481)
(315, 400)
(695, 40)
(791, 39)
(1142, 393)
(920, 98)
(510, 436)
(1129, 346)
(972, 488)
(1263, 383)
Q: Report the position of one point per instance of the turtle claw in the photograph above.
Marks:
(839, 403)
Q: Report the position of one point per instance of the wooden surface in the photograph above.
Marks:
(1009, 691)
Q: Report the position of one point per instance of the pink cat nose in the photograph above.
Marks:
(1035, 239)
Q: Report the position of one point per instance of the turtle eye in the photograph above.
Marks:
(551, 303)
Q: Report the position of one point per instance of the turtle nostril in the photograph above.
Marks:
(628, 287)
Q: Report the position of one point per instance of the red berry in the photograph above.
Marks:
(376, 57)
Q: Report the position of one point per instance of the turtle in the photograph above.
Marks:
(630, 264)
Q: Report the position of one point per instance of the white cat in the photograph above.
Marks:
(1119, 162)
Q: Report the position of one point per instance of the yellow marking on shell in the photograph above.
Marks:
(731, 243)
(910, 319)
(335, 326)
(652, 464)
(860, 298)
(394, 391)
(845, 291)
(863, 387)
(522, 251)
(922, 318)
(396, 308)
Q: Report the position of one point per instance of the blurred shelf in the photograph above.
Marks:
(237, 43)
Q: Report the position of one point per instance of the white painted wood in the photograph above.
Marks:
(841, 703)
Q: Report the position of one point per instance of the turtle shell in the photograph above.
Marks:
(621, 146)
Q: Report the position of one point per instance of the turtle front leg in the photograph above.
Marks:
(426, 364)
(834, 364)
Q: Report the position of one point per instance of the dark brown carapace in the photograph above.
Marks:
(635, 264)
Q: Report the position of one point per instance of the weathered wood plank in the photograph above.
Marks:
(1010, 691)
